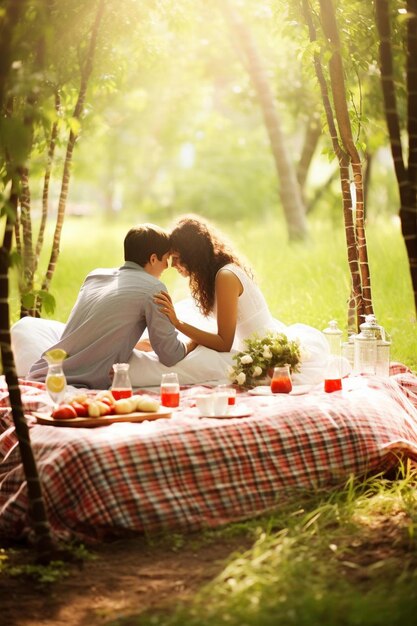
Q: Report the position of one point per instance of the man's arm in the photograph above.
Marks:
(163, 336)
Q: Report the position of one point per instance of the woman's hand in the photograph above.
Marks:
(163, 299)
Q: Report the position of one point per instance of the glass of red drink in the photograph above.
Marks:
(170, 390)
(230, 392)
(121, 386)
(281, 380)
(332, 375)
(332, 384)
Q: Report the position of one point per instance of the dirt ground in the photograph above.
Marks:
(125, 577)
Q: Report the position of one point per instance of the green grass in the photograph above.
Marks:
(306, 282)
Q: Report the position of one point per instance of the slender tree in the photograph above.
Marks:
(17, 127)
(336, 71)
(13, 12)
(86, 70)
(406, 173)
(30, 250)
(289, 187)
(337, 116)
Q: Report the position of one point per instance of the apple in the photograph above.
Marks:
(64, 412)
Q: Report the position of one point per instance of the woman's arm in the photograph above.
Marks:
(227, 291)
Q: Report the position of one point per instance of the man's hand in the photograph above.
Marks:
(144, 346)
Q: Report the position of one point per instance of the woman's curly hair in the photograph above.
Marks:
(203, 252)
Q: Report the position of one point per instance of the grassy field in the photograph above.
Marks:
(341, 558)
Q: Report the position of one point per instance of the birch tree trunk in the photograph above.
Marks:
(289, 188)
(336, 71)
(356, 306)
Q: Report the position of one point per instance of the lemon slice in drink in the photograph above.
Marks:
(56, 355)
(55, 384)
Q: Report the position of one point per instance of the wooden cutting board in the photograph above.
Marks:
(104, 420)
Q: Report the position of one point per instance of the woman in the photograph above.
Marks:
(221, 286)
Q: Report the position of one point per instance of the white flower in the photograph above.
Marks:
(267, 354)
(257, 371)
(240, 378)
(246, 359)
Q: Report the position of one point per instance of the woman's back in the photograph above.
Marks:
(253, 314)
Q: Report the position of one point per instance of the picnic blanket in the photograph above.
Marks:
(188, 473)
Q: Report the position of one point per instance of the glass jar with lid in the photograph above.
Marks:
(365, 346)
(383, 347)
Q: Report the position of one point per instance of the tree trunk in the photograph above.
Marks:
(406, 177)
(290, 192)
(77, 114)
(312, 136)
(26, 223)
(37, 512)
(46, 182)
(330, 29)
(355, 306)
(367, 178)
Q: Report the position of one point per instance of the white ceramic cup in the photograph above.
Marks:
(220, 403)
(204, 403)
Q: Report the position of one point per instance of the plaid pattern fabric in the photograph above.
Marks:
(188, 473)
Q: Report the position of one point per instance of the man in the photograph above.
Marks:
(113, 308)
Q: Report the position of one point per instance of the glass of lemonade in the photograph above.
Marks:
(55, 381)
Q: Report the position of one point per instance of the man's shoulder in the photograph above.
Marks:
(103, 271)
(145, 281)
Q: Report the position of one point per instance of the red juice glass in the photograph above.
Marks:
(170, 390)
(121, 393)
(281, 380)
(332, 384)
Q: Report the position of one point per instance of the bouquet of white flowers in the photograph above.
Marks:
(261, 355)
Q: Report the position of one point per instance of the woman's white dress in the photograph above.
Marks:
(32, 336)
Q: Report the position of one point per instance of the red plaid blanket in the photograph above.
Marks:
(187, 473)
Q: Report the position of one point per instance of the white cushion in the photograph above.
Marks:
(31, 336)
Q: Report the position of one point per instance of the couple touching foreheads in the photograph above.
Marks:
(126, 314)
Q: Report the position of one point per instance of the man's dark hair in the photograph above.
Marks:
(144, 240)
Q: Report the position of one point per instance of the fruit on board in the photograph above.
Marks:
(64, 412)
(80, 409)
(96, 408)
(124, 406)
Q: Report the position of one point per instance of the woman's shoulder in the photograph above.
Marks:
(237, 270)
(232, 267)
